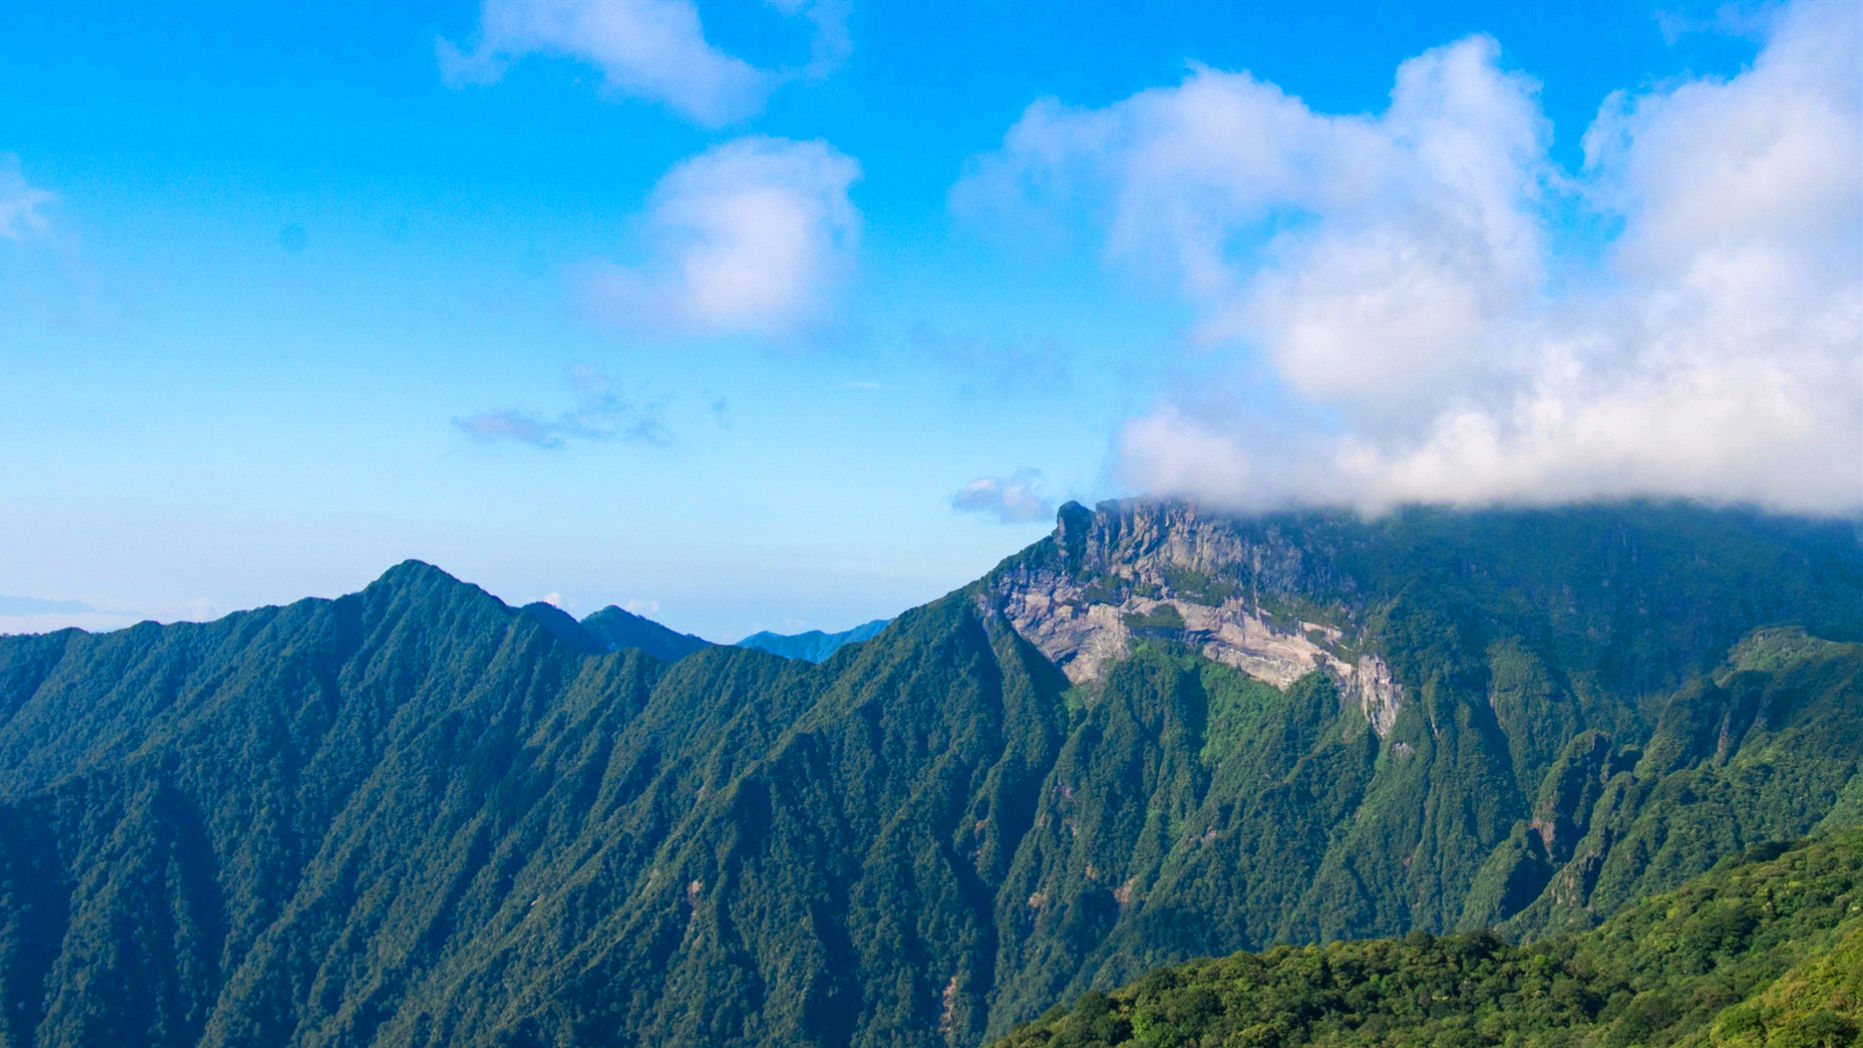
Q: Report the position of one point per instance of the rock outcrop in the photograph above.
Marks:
(1137, 570)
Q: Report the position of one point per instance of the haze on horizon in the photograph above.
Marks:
(790, 317)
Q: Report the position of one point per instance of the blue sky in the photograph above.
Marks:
(790, 316)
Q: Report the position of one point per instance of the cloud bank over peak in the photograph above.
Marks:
(751, 236)
(1417, 284)
(650, 49)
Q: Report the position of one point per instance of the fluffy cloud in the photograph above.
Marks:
(1011, 500)
(1396, 275)
(20, 203)
(750, 236)
(652, 49)
(601, 413)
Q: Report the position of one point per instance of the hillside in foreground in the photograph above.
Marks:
(1766, 950)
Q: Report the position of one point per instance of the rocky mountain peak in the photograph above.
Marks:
(1239, 590)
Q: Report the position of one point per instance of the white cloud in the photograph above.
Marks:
(637, 606)
(1011, 500)
(1396, 274)
(652, 49)
(1413, 230)
(752, 235)
(44, 271)
(20, 204)
(602, 412)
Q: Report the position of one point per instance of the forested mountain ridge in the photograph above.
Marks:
(616, 629)
(415, 816)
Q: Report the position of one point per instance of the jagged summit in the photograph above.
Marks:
(1234, 589)
(1283, 594)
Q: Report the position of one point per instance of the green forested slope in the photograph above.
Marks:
(1766, 950)
(415, 816)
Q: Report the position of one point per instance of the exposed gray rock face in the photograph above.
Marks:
(1167, 570)
(1377, 693)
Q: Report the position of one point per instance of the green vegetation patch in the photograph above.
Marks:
(1162, 617)
(1766, 950)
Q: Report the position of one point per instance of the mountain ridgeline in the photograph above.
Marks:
(814, 645)
(615, 629)
(417, 816)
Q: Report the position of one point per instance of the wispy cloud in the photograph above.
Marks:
(1397, 278)
(751, 236)
(40, 606)
(648, 49)
(1011, 500)
(43, 270)
(602, 412)
(21, 205)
